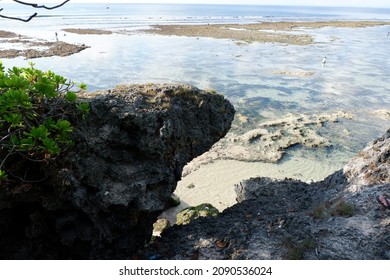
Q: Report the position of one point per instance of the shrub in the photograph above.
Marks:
(343, 209)
(37, 110)
(296, 250)
(319, 212)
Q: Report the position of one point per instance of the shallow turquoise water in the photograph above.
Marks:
(354, 79)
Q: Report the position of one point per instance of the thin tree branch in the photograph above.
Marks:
(32, 5)
(41, 6)
(10, 153)
(21, 19)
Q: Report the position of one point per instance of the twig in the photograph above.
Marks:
(21, 19)
(28, 181)
(3, 161)
(41, 6)
(32, 5)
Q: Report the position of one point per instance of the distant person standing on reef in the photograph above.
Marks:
(323, 61)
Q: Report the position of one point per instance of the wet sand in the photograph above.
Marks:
(214, 183)
(265, 32)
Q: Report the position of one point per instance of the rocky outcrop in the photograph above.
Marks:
(101, 198)
(23, 46)
(337, 218)
(270, 140)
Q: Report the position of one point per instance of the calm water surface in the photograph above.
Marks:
(355, 78)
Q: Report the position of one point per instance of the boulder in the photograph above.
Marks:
(99, 200)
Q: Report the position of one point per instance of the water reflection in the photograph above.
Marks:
(355, 77)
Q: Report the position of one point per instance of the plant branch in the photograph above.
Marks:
(21, 19)
(34, 5)
(41, 6)
(6, 157)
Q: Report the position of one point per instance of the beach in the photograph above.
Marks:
(296, 118)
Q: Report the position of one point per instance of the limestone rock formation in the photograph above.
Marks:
(337, 218)
(270, 140)
(101, 198)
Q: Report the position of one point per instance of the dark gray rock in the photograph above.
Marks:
(337, 218)
(103, 195)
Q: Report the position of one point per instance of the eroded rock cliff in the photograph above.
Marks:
(100, 199)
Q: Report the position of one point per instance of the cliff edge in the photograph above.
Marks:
(99, 200)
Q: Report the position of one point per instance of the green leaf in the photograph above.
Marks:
(83, 107)
(15, 71)
(50, 124)
(71, 96)
(15, 98)
(46, 88)
(15, 120)
(30, 120)
(27, 143)
(16, 82)
(3, 175)
(14, 140)
(82, 86)
(64, 125)
(59, 79)
(39, 133)
(51, 146)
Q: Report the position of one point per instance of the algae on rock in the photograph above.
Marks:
(188, 214)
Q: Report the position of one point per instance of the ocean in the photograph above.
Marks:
(142, 15)
(355, 78)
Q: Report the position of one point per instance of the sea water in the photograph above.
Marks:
(354, 79)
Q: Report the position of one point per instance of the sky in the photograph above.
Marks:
(334, 3)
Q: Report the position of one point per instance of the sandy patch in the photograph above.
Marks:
(214, 183)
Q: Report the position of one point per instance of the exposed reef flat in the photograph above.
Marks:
(270, 140)
(89, 31)
(16, 45)
(264, 32)
(297, 73)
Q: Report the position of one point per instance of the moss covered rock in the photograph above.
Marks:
(186, 215)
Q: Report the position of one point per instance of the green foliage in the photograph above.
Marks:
(343, 209)
(338, 208)
(296, 250)
(188, 214)
(3, 175)
(319, 212)
(37, 109)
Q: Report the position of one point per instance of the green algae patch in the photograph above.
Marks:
(191, 213)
